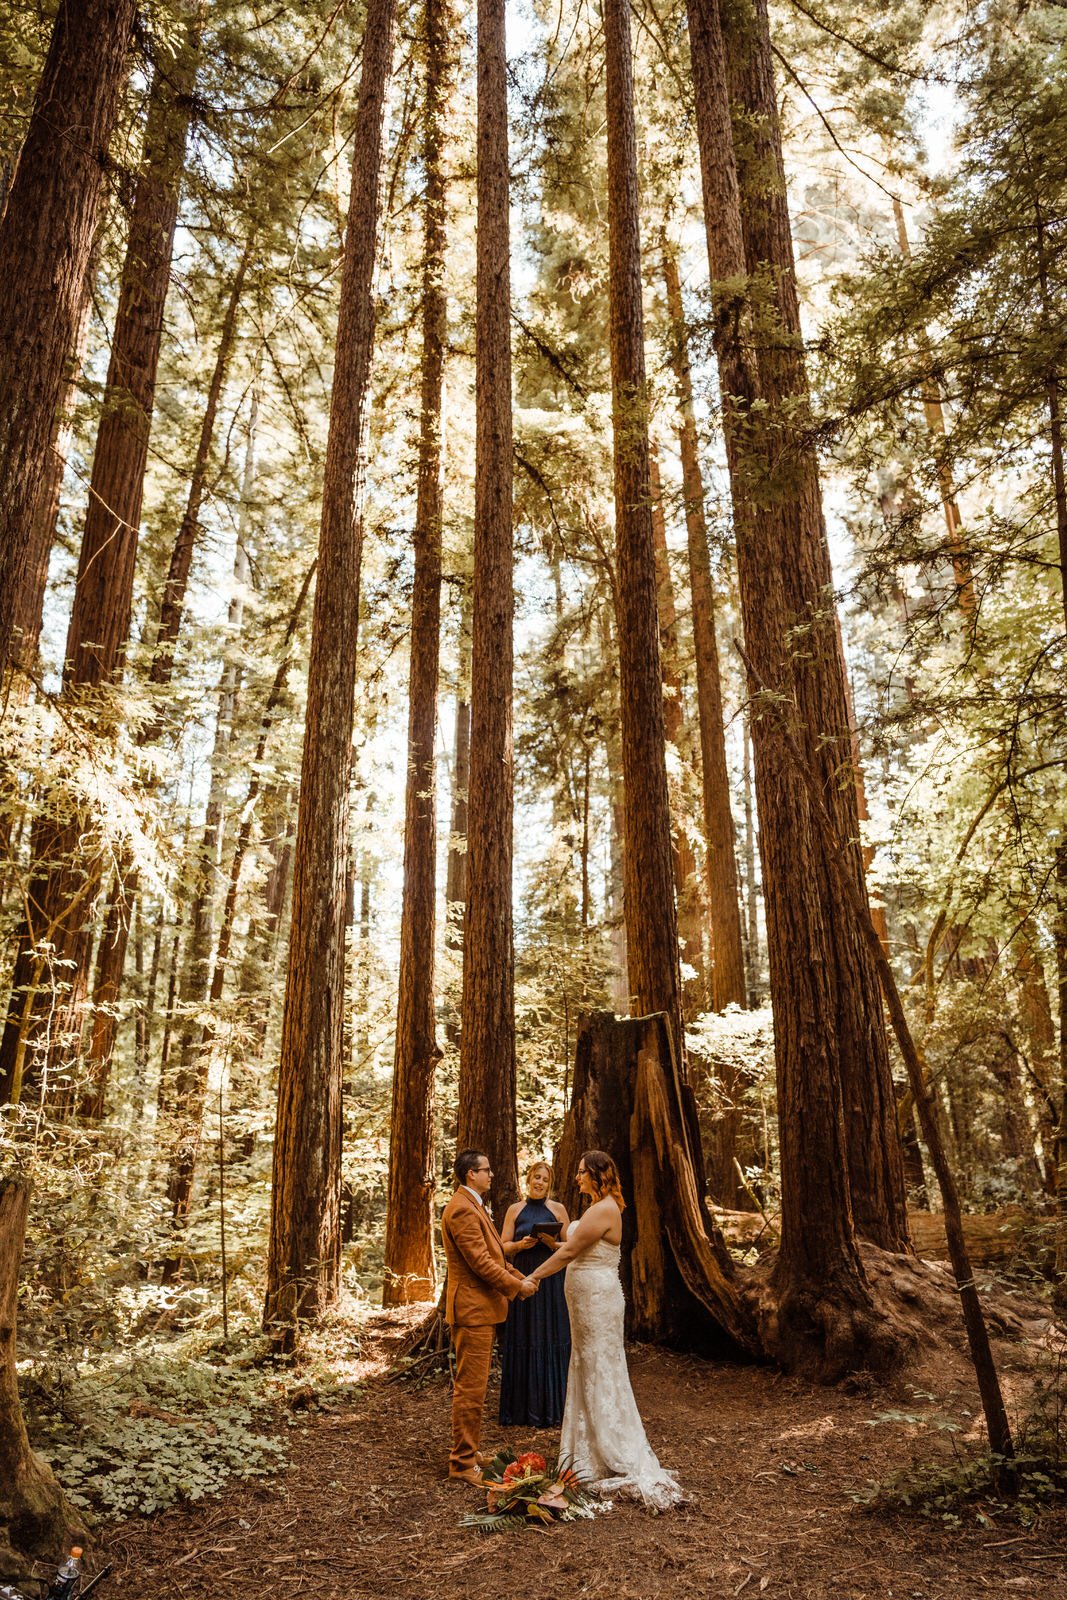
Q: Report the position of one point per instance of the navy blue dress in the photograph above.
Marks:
(537, 1338)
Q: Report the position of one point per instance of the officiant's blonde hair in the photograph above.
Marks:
(605, 1175)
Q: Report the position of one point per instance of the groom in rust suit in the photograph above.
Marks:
(481, 1286)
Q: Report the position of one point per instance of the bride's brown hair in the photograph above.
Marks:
(605, 1176)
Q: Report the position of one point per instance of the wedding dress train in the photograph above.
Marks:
(603, 1438)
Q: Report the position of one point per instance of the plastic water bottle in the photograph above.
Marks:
(67, 1578)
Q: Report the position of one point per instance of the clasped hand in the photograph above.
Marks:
(528, 1287)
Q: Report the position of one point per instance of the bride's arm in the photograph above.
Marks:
(580, 1235)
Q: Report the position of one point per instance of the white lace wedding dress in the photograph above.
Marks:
(603, 1438)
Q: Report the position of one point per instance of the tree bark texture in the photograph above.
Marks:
(792, 498)
(824, 1308)
(66, 877)
(409, 1258)
(100, 620)
(751, 890)
(456, 878)
(31, 596)
(487, 1041)
(629, 1099)
(728, 961)
(46, 236)
(686, 878)
(651, 916)
(303, 1273)
(35, 1519)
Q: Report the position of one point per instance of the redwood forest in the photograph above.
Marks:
(533, 629)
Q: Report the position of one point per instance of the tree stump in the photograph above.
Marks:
(629, 1100)
(36, 1520)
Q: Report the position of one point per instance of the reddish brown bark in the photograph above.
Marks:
(792, 496)
(686, 879)
(651, 920)
(629, 1098)
(456, 877)
(303, 1272)
(31, 599)
(66, 878)
(823, 1317)
(35, 1518)
(487, 1042)
(728, 963)
(409, 1259)
(45, 239)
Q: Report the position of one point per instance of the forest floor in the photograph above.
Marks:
(773, 1466)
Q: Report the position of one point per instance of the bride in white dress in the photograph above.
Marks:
(603, 1438)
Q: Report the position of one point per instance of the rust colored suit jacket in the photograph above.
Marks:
(480, 1283)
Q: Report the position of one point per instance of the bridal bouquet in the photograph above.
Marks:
(528, 1491)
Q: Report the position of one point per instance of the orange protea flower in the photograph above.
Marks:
(530, 1463)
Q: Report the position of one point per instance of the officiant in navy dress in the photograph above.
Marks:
(537, 1334)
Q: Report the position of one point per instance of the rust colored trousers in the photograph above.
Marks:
(474, 1348)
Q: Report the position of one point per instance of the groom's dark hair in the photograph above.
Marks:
(465, 1161)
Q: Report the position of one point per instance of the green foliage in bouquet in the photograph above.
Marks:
(529, 1492)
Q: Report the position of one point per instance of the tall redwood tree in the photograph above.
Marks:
(487, 1041)
(303, 1268)
(649, 904)
(728, 961)
(409, 1259)
(46, 234)
(793, 497)
(822, 1317)
(66, 878)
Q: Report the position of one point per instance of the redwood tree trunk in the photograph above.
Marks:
(31, 596)
(45, 239)
(66, 879)
(303, 1271)
(686, 880)
(793, 497)
(487, 1041)
(409, 1259)
(728, 961)
(456, 878)
(823, 1317)
(629, 1099)
(651, 919)
(35, 1519)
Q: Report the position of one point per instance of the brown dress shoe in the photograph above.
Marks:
(470, 1475)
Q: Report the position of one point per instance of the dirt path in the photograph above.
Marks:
(363, 1511)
